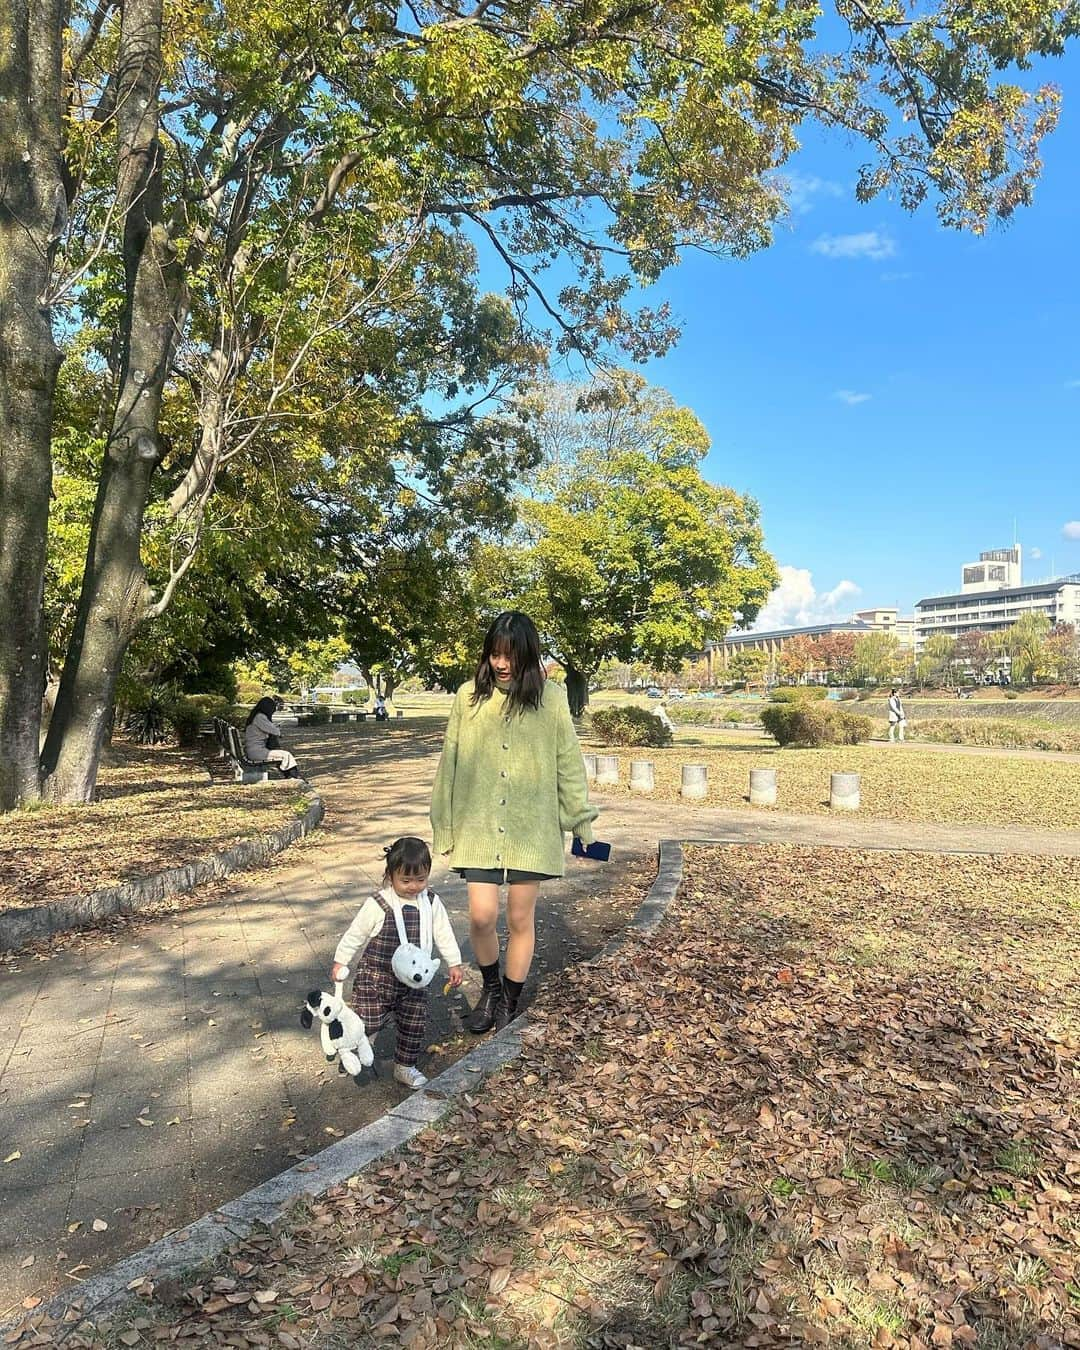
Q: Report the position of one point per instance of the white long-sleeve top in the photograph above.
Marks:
(371, 916)
(255, 734)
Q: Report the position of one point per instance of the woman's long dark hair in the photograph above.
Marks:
(266, 706)
(514, 633)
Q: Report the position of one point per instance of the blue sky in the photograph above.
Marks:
(894, 394)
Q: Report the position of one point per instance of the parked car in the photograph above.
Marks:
(654, 693)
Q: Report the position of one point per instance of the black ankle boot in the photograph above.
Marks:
(508, 1005)
(484, 1014)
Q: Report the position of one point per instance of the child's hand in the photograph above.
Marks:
(339, 973)
(453, 980)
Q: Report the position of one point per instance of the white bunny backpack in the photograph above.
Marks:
(414, 965)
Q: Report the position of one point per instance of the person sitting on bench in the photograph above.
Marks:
(258, 731)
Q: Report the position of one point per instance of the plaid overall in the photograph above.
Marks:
(378, 995)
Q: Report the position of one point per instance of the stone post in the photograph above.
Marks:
(607, 769)
(695, 781)
(844, 791)
(642, 778)
(762, 787)
(590, 767)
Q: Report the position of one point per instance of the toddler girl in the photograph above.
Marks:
(377, 993)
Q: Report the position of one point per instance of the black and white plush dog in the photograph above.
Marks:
(342, 1032)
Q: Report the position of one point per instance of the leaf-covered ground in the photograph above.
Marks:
(832, 1100)
(157, 809)
(897, 782)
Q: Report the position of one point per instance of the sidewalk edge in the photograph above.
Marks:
(208, 1237)
(19, 926)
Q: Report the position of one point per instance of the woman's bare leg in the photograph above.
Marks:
(520, 919)
(483, 914)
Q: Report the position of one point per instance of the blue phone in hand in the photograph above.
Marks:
(597, 851)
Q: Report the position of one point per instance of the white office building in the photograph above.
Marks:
(992, 596)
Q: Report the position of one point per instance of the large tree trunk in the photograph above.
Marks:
(577, 691)
(115, 597)
(32, 215)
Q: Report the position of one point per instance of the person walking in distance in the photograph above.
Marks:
(510, 783)
(897, 716)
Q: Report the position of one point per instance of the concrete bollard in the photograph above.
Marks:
(844, 791)
(695, 781)
(642, 777)
(762, 787)
(607, 768)
(590, 768)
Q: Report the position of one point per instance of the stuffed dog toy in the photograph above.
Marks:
(342, 1031)
(414, 965)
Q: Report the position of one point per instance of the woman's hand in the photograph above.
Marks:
(454, 977)
(339, 973)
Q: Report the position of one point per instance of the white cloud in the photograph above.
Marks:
(1072, 384)
(1036, 554)
(1071, 530)
(797, 603)
(870, 244)
(801, 190)
(850, 397)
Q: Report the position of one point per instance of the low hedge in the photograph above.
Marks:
(629, 725)
(795, 693)
(1000, 732)
(808, 723)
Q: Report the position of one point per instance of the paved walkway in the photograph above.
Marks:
(149, 1074)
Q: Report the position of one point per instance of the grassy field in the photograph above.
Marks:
(157, 809)
(831, 1101)
(897, 783)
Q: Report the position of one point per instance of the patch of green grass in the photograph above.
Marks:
(905, 1174)
(1002, 1195)
(393, 1261)
(517, 1199)
(783, 1187)
(1019, 1157)
(1030, 1270)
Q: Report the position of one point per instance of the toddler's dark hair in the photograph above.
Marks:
(408, 855)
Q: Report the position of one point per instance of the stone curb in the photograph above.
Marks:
(17, 927)
(207, 1237)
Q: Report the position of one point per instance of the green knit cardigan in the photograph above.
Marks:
(508, 787)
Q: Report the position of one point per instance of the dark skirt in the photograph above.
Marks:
(498, 876)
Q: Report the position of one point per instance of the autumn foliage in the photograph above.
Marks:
(831, 1100)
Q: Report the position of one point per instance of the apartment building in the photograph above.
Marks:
(889, 621)
(993, 596)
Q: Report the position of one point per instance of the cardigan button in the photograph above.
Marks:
(502, 801)
(502, 773)
(505, 746)
(501, 830)
(498, 857)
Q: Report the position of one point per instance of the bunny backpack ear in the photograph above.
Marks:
(305, 1018)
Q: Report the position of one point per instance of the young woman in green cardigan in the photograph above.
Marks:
(510, 784)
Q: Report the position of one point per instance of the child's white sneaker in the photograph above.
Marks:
(410, 1075)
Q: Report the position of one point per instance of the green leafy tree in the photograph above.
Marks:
(875, 658)
(633, 556)
(170, 174)
(934, 666)
(1026, 644)
(748, 666)
(1062, 649)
